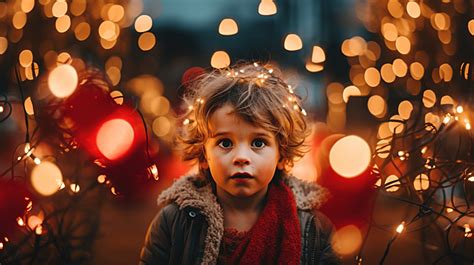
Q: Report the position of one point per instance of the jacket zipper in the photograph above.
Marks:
(313, 237)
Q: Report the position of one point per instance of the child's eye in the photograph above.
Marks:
(258, 143)
(225, 143)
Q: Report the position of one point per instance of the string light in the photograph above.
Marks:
(467, 231)
(36, 160)
(154, 171)
(101, 178)
(401, 227)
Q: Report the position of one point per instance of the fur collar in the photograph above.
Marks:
(194, 191)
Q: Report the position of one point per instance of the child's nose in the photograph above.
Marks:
(241, 157)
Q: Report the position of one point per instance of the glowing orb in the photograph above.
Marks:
(347, 240)
(350, 156)
(62, 81)
(46, 178)
(114, 139)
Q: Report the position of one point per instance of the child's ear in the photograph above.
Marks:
(281, 164)
(204, 164)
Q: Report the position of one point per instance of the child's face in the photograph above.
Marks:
(242, 158)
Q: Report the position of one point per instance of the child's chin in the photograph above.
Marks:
(242, 192)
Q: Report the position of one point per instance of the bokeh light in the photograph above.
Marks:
(392, 183)
(318, 55)
(429, 98)
(114, 138)
(228, 27)
(404, 109)
(143, 23)
(350, 148)
(267, 8)
(220, 59)
(25, 58)
(82, 31)
(293, 42)
(146, 41)
(347, 240)
(421, 182)
(29, 106)
(377, 106)
(117, 96)
(62, 81)
(46, 178)
(350, 91)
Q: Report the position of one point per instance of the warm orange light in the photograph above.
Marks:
(59, 8)
(161, 126)
(3, 45)
(114, 139)
(220, 59)
(146, 41)
(25, 58)
(318, 55)
(417, 70)
(347, 240)
(116, 13)
(63, 23)
(350, 148)
(399, 67)
(372, 77)
(34, 221)
(350, 91)
(114, 75)
(143, 23)
(106, 44)
(46, 178)
(160, 106)
(19, 20)
(108, 30)
(228, 27)
(421, 182)
(404, 109)
(395, 8)
(64, 58)
(429, 98)
(29, 106)
(27, 5)
(377, 106)
(82, 31)
(392, 183)
(447, 100)
(387, 73)
(267, 8)
(396, 126)
(446, 72)
(32, 71)
(413, 9)
(403, 45)
(117, 96)
(389, 31)
(78, 7)
(313, 67)
(293, 42)
(62, 81)
(470, 26)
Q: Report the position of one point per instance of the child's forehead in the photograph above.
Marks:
(226, 118)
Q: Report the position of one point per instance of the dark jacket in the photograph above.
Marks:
(188, 230)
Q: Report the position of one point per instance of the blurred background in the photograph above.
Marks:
(90, 95)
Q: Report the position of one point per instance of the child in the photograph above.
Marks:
(245, 127)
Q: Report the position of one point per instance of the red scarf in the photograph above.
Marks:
(275, 238)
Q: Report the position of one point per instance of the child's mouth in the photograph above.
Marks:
(241, 176)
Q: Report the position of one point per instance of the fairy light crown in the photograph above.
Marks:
(258, 94)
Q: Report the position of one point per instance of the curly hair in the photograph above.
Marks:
(258, 95)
